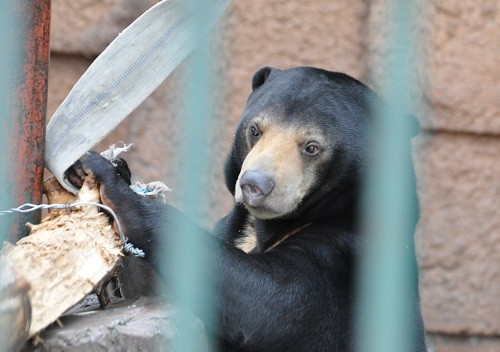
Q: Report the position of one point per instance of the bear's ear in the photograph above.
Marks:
(260, 77)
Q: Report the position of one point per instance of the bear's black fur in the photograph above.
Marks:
(285, 257)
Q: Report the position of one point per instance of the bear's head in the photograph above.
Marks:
(301, 143)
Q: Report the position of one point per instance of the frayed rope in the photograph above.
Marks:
(155, 189)
(113, 151)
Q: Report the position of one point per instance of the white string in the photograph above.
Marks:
(28, 207)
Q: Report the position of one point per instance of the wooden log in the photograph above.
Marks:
(66, 257)
(15, 309)
(56, 193)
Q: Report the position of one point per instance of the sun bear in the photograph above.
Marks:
(285, 256)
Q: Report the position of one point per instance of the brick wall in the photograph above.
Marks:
(457, 154)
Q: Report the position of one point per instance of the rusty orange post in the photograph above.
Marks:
(29, 107)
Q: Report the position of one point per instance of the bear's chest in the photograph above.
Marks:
(248, 241)
(253, 241)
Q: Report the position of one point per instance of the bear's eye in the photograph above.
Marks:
(312, 148)
(254, 131)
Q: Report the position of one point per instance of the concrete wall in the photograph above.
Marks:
(458, 152)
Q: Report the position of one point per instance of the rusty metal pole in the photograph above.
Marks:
(29, 108)
(24, 58)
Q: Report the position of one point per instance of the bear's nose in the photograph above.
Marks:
(256, 186)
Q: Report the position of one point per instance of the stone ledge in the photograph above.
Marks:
(146, 324)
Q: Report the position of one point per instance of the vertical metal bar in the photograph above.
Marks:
(25, 134)
(9, 58)
(24, 56)
(197, 112)
(9, 66)
(388, 268)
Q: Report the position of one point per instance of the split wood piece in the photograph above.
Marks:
(15, 309)
(66, 257)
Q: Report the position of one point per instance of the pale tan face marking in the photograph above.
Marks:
(278, 152)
